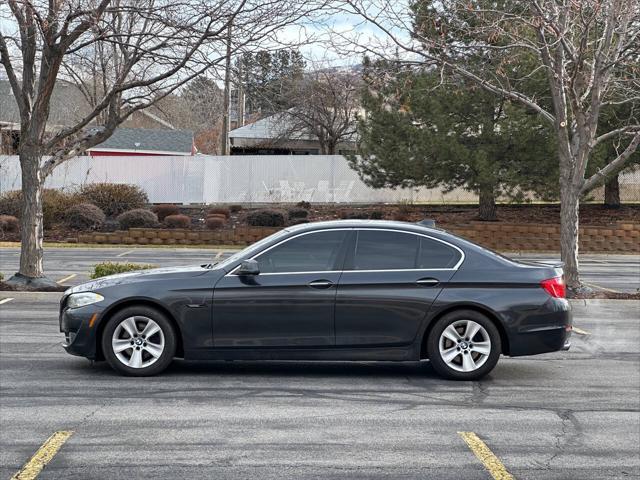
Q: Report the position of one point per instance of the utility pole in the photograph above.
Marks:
(241, 100)
(227, 96)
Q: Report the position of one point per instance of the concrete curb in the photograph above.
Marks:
(33, 296)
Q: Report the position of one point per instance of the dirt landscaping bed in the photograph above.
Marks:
(445, 216)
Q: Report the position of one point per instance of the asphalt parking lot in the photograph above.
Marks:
(572, 414)
(71, 266)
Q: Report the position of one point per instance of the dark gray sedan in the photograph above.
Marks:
(343, 290)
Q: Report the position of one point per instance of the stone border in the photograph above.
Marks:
(622, 237)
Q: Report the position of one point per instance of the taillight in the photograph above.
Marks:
(555, 287)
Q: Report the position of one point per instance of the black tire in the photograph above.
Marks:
(167, 330)
(433, 350)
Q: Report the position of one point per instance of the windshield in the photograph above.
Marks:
(250, 250)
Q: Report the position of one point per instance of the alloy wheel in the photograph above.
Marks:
(138, 342)
(464, 345)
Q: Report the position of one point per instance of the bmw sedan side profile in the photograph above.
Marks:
(341, 290)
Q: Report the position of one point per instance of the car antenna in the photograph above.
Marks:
(427, 222)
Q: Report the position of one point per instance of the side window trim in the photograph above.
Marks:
(347, 260)
(455, 267)
(345, 241)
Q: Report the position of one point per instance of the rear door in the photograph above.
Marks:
(389, 282)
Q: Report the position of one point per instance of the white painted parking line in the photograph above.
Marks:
(579, 331)
(68, 277)
(5, 300)
(125, 253)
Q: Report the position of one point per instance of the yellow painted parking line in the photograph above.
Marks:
(69, 277)
(125, 253)
(43, 456)
(602, 288)
(493, 465)
(5, 300)
(579, 331)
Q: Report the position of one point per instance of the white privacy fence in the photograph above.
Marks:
(245, 179)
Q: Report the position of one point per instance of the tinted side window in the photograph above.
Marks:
(379, 250)
(307, 253)
(435, 254)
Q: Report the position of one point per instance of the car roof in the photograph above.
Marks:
(411, 227)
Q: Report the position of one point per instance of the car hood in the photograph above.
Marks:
(153, 274)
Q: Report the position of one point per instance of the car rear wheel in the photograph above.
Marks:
(139, 341)
(464, 345)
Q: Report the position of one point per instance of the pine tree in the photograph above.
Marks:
(422, 131)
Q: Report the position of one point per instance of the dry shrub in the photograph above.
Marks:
(177, 221)
(138, 218)
(164, 210)
(220, 211)
(9, 223)
(266, 218)
(235, 208)
(215, 222)
(84, 216)
(114, 198)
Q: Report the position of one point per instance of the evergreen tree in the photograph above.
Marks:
(422, 131)
(265, 76)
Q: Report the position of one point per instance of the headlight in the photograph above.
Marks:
(76, 300)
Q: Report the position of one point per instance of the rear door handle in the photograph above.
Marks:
(320, 284)
(427, 282)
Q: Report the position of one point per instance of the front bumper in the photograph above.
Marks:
(79, 331)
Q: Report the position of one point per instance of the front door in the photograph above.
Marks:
(390, 280)
(290, 303)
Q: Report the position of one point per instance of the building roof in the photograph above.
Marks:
(269, 128)
(67, 107)
(145, 140)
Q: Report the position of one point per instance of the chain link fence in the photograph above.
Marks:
(250, 180)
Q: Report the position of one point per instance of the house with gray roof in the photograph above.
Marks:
(273, 136)
(68, 106)
(147, 142)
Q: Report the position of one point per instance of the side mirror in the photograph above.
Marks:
(249, 267)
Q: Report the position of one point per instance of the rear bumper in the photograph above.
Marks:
(545, 330)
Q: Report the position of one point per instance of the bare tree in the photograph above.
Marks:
(324, 105)
(589, 51)
(126, 56)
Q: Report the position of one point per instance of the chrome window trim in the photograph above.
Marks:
(358, 229)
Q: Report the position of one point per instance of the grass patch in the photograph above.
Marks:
(110, 268)
(125, 245)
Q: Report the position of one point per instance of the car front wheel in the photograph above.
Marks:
(464, 345)
(139, 341)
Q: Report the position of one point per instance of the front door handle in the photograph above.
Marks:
(320, 284)
(427, 282)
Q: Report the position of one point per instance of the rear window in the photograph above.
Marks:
(434, 254)
(388, 250)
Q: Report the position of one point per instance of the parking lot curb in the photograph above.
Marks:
(33, 296)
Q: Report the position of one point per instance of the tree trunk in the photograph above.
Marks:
(612, 193)
(487, 211)
(569, 221)
(32, 219)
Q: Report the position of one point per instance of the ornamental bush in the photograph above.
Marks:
(138, 218)
(177, 221)
(298, 213)
(164, 210)
(266, 218)
(111, 268)
(84, 216)
(220, 211)
(55, 204)
(9, 223)
(215, 222)
(114, 198)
